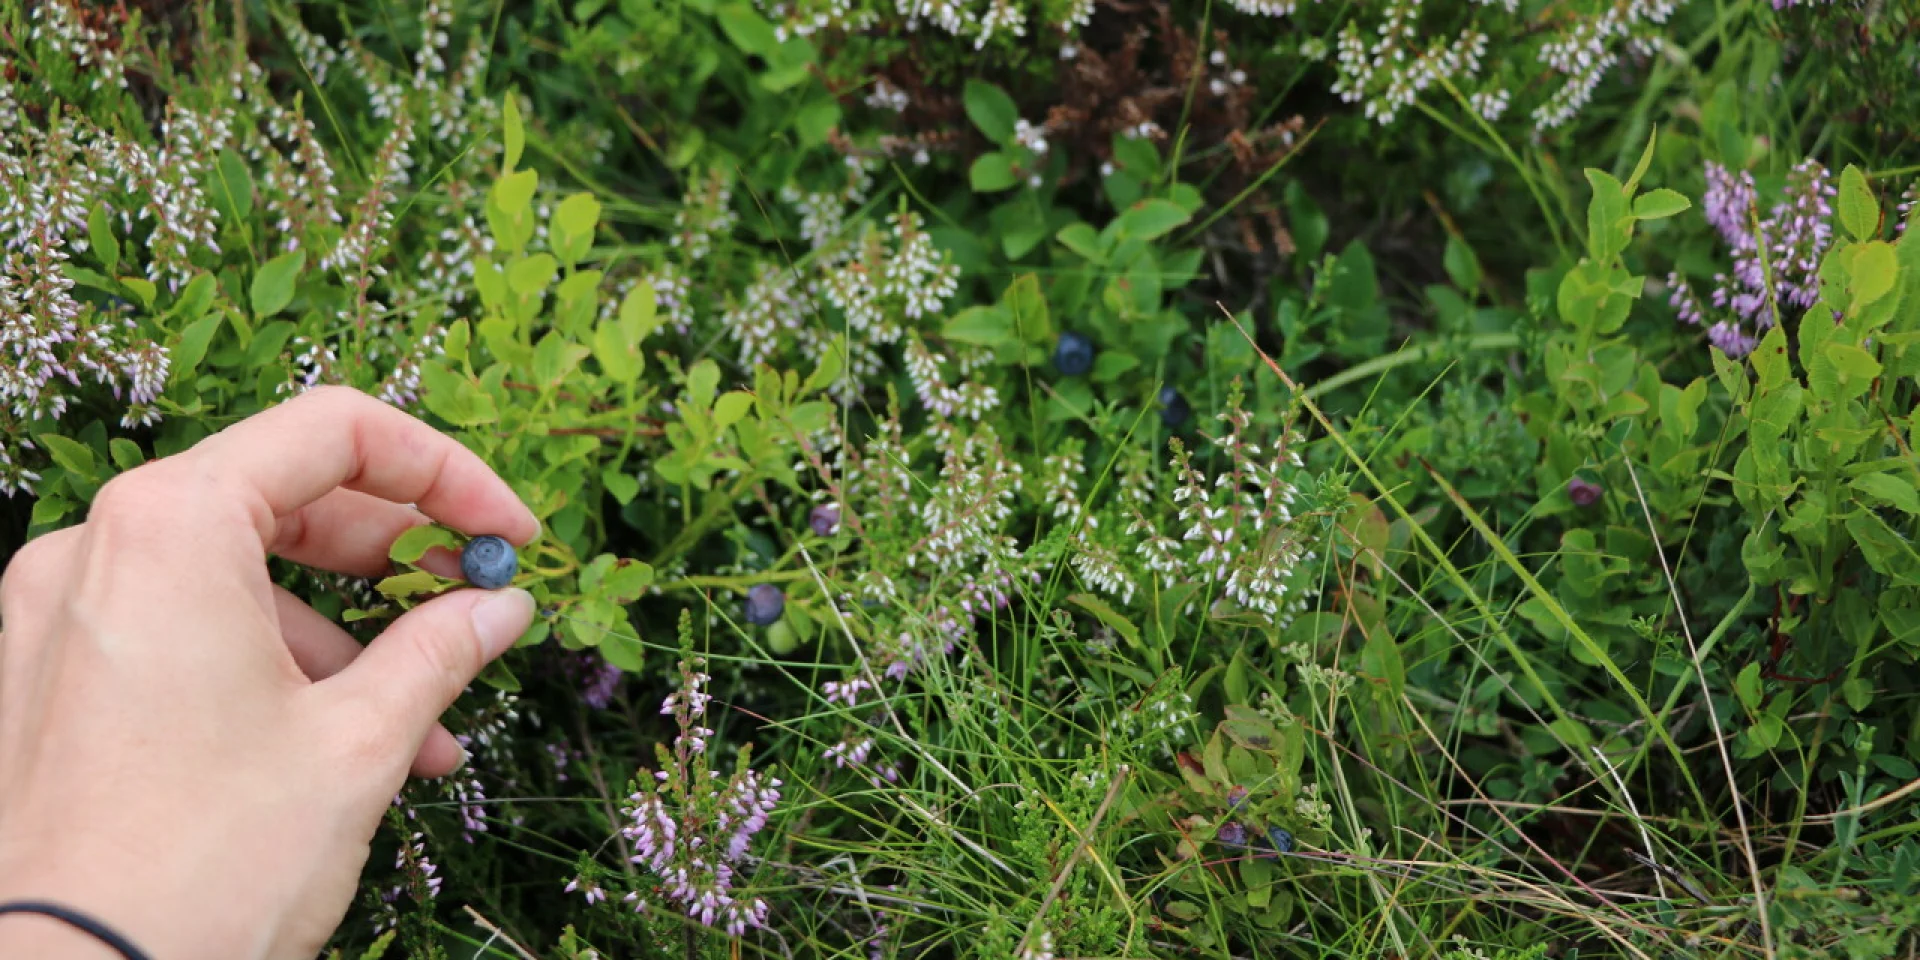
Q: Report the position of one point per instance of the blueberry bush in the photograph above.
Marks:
(1077, 478)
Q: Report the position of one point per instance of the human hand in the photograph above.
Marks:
(191, 754)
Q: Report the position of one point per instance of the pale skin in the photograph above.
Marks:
(189, 753)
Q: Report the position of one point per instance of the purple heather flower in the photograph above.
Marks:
(1775, 266)
(690, 828)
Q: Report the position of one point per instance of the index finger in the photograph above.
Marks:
(333, 437)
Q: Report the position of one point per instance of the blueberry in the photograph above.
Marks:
(1074, 355)
(764, 604)
(1583, 493)
(1236, 796)
(1232, 835)
(825, 519)
(1280, 840)
(489, 562)
(1174, 410)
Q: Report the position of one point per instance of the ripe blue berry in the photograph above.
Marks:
(765, 603)
(1282, 841)
(825, 519)
(489, 562)
(1074, 355)
(1174, 410)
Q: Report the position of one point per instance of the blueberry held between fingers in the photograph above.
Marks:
(489, 562)
(1174, 410)
(1073, 356)
(765, 603)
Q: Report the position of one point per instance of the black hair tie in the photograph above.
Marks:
(79, 921)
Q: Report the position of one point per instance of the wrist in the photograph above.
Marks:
(37, 935)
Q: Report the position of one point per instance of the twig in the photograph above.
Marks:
(498, 933)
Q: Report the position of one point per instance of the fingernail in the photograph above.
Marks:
(500, 619)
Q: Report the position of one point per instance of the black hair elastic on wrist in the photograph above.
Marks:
(79, 921)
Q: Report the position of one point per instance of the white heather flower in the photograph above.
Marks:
(1489, 104)
(886, 96)
(1029, 136)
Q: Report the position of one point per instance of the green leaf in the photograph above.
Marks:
(187, 354)
(1081, 239)
(1110, 364)
(143, 290)
(573, 225)
(639, 312)
(232, 186)
(273, 285)
(991, 110)
(702, 380)
(981, 326)
(626, 580)
(991, 173)
(622, 485)
(1605, 236)
(1462, 267)
(510, 210)
(409, 584)
(1646, 161)
(1770, 360)
(195, 298)
(1109, 616)
(747, 29)
(1852, 361)
(1027, 305)
(410, 546)
(1874, 272)
(100, 237)
(1151, 219)
(815, 121)
(555, 357)
(459, 337)
(730, 408)
(455, 398)
(512, 132)
(1659, 204)
(125, 453)
(530, 275)
(620, 359)
(1892, 489)
(1747, 685)
(621, 646)
(1859, 211)
(73, 456)
(49, 509)
(832, 361)
(1858, 693)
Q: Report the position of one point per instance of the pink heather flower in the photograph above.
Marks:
(691, 828)
(1775, 266)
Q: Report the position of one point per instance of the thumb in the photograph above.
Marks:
(415, 669)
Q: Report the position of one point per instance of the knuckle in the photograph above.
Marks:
(35, 566)
(336, 395)
(365, 741)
